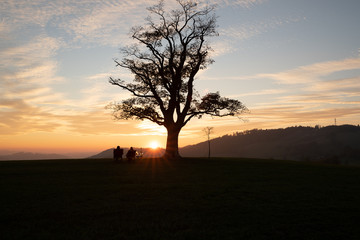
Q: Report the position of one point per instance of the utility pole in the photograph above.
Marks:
(335, 121)
(208, 131)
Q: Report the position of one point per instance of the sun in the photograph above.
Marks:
(154, 145)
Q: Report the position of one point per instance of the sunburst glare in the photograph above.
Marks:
(154, 145)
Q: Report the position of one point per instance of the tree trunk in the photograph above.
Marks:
(172, 146)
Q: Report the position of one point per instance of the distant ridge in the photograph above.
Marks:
(332, 144)
(31, 156)
(108, 153)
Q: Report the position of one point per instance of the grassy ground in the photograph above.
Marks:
(187, 199)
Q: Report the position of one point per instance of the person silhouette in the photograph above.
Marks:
(131, 154)
(118, 152)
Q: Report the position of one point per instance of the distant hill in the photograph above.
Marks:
(31, 156)
(147, 152)
(332, 144)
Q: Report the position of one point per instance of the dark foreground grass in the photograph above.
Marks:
(187, 199)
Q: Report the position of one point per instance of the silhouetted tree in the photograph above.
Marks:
(164, 61)
(208, 131)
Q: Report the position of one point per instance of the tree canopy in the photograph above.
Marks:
(166, 56)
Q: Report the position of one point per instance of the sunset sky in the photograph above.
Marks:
(290, 62)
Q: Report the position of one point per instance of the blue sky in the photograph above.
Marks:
(290, 62)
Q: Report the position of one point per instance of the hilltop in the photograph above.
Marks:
(331, 144)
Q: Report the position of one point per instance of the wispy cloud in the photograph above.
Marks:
(29, 101)
(240, 3)
(248, 3)
(298, 115)
(19, 117)
(107, 23)
(221, 48)
(34, 51)
(248, 30)
(313, 73)
(150, 128)
(349, 86)
(310, 94)
(260, 93)
(4, 29)
(98, 21)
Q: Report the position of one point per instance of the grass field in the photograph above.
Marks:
(183, 199)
